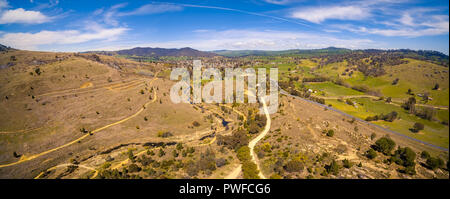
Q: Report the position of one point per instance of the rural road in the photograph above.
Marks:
(394, 102)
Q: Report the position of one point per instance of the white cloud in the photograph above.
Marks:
(320, 14)
(20, 15)
(31, 41)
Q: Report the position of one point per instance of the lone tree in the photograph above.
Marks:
(37, 71)
(395, 81)
(410, 105)
(388, 100)
(409, 92)
(436, 86)
(417, 127)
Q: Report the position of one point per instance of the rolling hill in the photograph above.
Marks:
(159, 52)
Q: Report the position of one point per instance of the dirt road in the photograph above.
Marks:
(253, 143)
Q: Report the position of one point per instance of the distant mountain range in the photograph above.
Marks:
(238, 53)
(159, 52)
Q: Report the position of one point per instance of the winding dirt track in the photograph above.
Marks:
(235, 173)
(67, 165)
(253, 143)
(28, 158)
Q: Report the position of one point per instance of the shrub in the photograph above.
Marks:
(161, 153)
(250, 170)
(37, 71)
(384, 145)
(347, 164)
(191, 168)
(434, 163)
(349, 102)
(410, 170)
(175, 153)
(131, 155)
(294, 166)
(373, 136)
(404, 156)
(243, 154)
(253, 128)
(330, 133)
(133, 168)
(238, 139)
(164, 134)
(84, 130)
(371, 154)
(207, 161)
(179, 146)
(425, 155)
(332, 168)
(196, 124)
(221, 162)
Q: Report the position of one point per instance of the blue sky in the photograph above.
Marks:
(81, 25)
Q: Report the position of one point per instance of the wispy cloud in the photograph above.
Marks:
(152, 9)
(49, 4)
(281, 2)
(112, 14)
